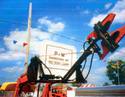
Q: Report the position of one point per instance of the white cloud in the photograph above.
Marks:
(17, 51)
(120, 54)
(108, 5)
(98, 76)
(19, 63)
(118, 9)
(11, 55)
(2, 49)
(85, 12)
(52, 26)
(19, 36)
(101, 70)
(95, 19)
(12, 69)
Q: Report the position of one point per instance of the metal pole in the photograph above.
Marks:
(28, 37)
(118, 72)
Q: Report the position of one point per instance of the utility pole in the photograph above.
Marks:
(117, 64)
(117, 67)
(28, 36)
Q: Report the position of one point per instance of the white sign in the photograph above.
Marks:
(58, 57)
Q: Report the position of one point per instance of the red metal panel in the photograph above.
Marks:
(117, 35)
(109, 19)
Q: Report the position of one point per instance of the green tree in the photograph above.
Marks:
(116, 71)
(106, 84)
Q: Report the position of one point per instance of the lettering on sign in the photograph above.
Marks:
(58, 55)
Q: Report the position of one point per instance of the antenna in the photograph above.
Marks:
(29, 36)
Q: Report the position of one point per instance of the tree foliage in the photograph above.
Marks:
(116, 71)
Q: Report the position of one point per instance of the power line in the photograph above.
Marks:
(53, 54)
(59, 54)
(12, 22)
(25, 24)
(76, 40)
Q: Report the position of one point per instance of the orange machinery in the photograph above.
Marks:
(109, 43)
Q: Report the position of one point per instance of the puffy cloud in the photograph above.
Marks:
(2, 49)
(85, 12)
(95, 77)
(17, 51)
(118, 9)
(95, 19)
(120, 53)
(12, 69)
(108, 5)
(11, 55)
(19, 36)
(52, 26)
(101, 70)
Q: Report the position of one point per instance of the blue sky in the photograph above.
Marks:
(71, 18)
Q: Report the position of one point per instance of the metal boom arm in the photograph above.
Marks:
(93, 47)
